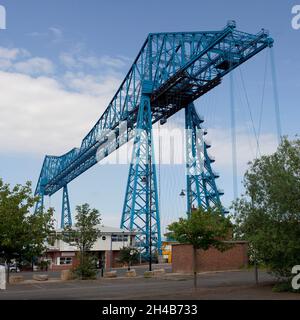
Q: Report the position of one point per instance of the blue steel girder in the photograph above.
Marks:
(179, 67)
(202, 190)
(39, 206)
(141, 198)
(66, 217)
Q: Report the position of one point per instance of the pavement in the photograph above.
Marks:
(232, 285)
(140, 269)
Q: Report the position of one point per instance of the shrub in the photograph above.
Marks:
(86, 269)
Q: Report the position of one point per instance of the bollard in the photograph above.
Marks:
(2, 278)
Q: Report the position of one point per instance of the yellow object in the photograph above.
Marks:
(167, 250)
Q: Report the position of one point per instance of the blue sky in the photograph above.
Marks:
(61, 62)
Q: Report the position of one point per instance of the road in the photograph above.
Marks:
(224, 285)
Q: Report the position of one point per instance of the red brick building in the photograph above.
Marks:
(210, 260)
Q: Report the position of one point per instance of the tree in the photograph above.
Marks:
(40, 227)
(268, 214)
(129, 256)
(21, 233)
(83, 236)
(203, 229)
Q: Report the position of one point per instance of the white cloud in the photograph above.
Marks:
(92, 85)
(246, 147)
(9, 54)
(54, 34)
(78, 59)
(39, 116)
(68, 60)
(5, 64)
(35, 66)
(20, 60)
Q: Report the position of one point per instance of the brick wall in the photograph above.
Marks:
(54, 267)
(211, 259)
(115, 262)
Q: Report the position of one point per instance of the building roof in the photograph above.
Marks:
(106, 229)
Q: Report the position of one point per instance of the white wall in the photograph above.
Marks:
(100, 245)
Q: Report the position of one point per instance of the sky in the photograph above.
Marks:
(62, 61)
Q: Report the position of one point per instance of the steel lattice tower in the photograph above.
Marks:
(202, 190)
(66, 218)
(141, 209)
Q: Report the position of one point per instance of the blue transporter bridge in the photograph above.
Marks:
(170, 72)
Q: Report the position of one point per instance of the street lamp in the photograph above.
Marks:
(189, 205)
(144, 179)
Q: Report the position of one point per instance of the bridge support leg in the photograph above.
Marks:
(141, 208)
(66, 218)
(200, 178)
(40, 204)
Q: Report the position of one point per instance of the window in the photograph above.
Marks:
(69, 237)
(65, 260)
(119, 238)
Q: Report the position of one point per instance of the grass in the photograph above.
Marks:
(250, 266)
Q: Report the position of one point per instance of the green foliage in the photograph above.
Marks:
(86, 269)
(204, 229)
(128, 255)
(268, 214)
(284, 286)
(44, 264)
(21, 233)
(85, 233)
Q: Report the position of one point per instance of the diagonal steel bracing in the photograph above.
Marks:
(66, 218)
(202, 190)
(141, 209)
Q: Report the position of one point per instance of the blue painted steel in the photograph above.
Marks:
(66, 218)
(201, 189)
(40, 203)
(183, 66)
(141, 199)
(177, 68)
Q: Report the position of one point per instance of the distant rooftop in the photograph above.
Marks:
(106, 229)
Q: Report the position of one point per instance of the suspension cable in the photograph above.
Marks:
(262, 101)
(250, 112)
(233, 138)
(276, 99)
(159, 167)
(249, 130)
